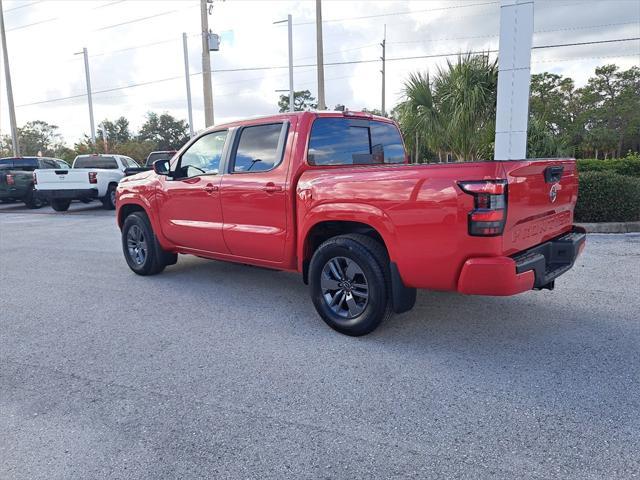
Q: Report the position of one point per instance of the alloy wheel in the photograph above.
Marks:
(136, 244)
(344, 287)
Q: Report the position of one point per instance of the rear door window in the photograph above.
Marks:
(23, 164)
(345, 141)
(49, 163)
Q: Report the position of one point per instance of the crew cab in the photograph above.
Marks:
(16, 178)
(92, 177)
(331, 195)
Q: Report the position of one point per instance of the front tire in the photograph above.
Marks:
(349, 288)
(141, 249)
(109, 200)
(60, 205)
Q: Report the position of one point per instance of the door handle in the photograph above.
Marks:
(210, 188)
(272, 188)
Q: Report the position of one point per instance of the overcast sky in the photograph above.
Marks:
(138, 41)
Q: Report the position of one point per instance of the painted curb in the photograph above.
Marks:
(611, 227)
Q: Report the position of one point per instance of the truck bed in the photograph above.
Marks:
(425, 213)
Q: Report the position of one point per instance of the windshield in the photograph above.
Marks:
(158, 156)
(94, 161)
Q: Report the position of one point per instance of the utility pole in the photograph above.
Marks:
(321, 102)
(188, 80)
(383, 71)
(87, 74)
(206, 65)
(290, 32)
(291, 93)
(12, 110)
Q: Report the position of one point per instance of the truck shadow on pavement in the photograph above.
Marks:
(527, 324)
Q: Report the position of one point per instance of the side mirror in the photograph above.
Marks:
(161, 167)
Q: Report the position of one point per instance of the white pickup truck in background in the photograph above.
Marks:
(92, 177)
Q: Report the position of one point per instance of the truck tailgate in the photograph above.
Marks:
(541, 197)
(63, 179)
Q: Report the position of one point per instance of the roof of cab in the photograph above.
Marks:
(286, 115)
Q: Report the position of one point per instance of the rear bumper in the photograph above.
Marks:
(68, 194)
(537, 267)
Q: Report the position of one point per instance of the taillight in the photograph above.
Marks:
(35, 178)
(93, 177)
(10, 179)
(488, 217)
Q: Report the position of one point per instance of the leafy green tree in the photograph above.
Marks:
(302, 100)
(611, 113)
(115, 132)
(164, 131)
(36, 137)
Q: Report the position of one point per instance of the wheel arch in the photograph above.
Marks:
(330, 220)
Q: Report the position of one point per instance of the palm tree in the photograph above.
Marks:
(455, 112)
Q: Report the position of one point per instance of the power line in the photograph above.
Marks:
(134, 47)
(22, 6)
(553, 60)
(390, 14)
(33, 24)
(108, 4)
(582, 27)
(140, 19)
(595, 42)
(351, 62)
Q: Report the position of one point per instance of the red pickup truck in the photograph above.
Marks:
(330, 195)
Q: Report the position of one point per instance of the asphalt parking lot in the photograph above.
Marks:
(215, 370)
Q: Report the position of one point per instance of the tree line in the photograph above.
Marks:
(445, 115)
(159, 132)
(449, 114)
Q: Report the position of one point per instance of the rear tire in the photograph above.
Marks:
(32, 200)
(348, 276)
(60, 205)
(109, 200)
(141, 249)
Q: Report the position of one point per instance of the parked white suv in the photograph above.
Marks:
(92, 177)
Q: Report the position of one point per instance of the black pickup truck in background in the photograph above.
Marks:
(148, 164)
(16, 178)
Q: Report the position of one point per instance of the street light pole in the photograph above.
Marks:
(188, 80)
(12, 111)
(290, 33)
(90, 100)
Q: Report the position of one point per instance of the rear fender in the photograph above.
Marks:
(347, 212)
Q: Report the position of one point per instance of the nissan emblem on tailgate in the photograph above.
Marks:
(553, 193)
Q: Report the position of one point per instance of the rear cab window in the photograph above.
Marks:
(23, 164)
(351, 141)
(94, 161)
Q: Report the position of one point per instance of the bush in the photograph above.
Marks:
(608, 197)
(630, 165)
